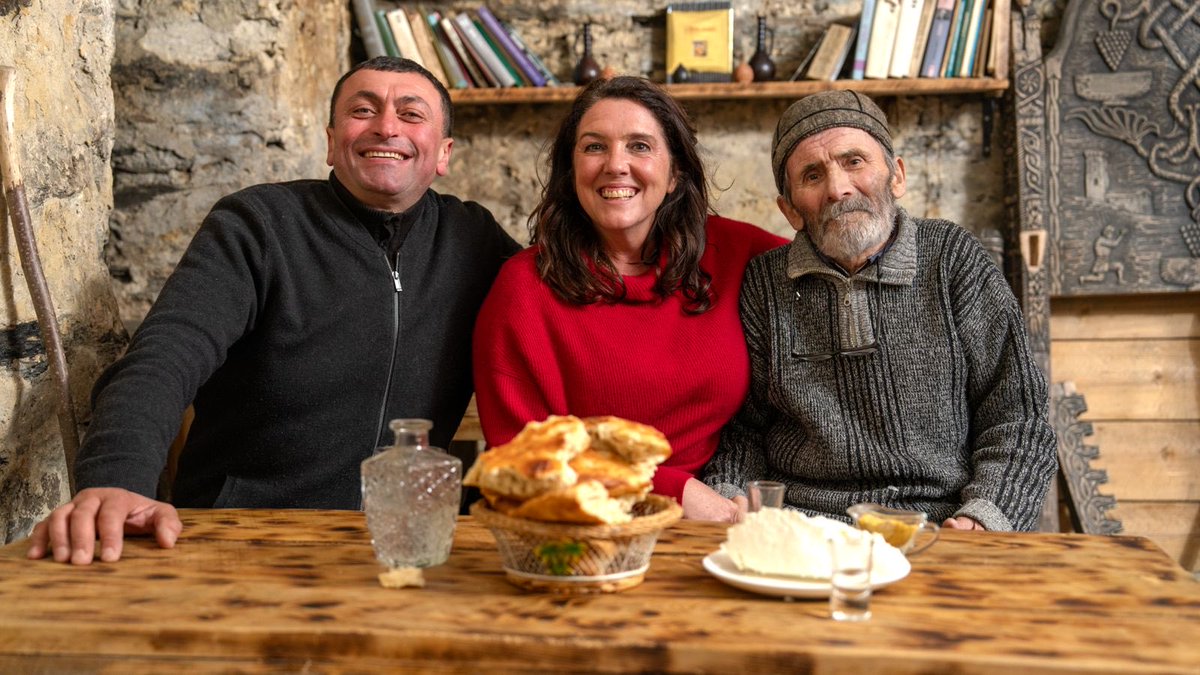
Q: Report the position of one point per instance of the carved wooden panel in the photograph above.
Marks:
(1025, 175)
(1121, 164)
(1030, 278)
(1087, 505)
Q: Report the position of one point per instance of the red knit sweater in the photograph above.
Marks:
(686, 374)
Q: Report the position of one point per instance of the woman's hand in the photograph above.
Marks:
(700, 502)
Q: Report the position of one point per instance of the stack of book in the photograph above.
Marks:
(915, 38)
(463, 50)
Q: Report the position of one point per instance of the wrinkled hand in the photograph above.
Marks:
(962, 523)
(69, 533)
(700, 502)
(743, 507)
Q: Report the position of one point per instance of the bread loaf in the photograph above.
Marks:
(567, 469)
(535, 461)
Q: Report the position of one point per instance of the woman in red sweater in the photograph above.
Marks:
(626, 303)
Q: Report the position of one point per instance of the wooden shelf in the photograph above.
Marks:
(723, 91)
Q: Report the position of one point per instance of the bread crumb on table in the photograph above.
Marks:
(402, 577)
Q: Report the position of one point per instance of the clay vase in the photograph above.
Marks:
(587, 69)
(743, 73)
(760, 62)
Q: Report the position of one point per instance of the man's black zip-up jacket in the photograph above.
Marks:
(297, 339)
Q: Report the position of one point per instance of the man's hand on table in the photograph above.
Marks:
(700, 502)
(69, 533)
(963, 523)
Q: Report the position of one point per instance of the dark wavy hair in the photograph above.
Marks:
(569, 242)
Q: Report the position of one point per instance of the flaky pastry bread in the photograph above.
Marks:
(619, 477)
(565, 469)
(586, 503)
(637, 443)
(536, 460)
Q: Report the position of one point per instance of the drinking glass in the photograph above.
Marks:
(850, 583)
(764, 494)
(899, 527)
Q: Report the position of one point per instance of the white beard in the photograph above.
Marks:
(845, 230)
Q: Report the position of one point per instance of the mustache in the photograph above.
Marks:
(848, 205)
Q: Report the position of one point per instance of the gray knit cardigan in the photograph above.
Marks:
(949, 416)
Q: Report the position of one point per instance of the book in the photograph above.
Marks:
(985, 44)
(883, 37)
(368, 30)
(997, 65)
(939, 30)
(864, 36)
(456, 72)
(803, 67)
(831, 53)
(700, 38)
(474, 55)
(489, 63)
(426, 45)
(501, 37)
(973, 24)
(551, 80)
(385, 32)
(906, 37)
(923, 29)
(505, 60)
(953, 39)
(450, 33)
(406, 44)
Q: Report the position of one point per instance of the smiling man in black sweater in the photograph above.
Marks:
(302, 318)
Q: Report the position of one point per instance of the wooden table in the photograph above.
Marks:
(297, 591)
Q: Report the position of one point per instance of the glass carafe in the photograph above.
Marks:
(411, 494)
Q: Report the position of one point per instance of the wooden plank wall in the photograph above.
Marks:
(1136, 360)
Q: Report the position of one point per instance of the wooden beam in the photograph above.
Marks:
(749, 90)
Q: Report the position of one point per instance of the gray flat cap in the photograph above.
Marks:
(821, 111)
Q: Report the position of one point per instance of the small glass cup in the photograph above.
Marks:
(851, 555)
(898, 527)
(764, 494)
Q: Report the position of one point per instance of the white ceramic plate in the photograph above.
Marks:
(721, 566)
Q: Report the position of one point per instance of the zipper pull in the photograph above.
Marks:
(396, 273)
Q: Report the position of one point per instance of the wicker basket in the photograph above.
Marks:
(570, 559)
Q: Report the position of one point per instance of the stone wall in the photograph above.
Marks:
(211, 96)
(499, 159)
(61, 50)
(206, 105)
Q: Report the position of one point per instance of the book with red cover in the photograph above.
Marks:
(450, 34)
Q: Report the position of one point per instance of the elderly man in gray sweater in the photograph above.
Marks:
(889, 361)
